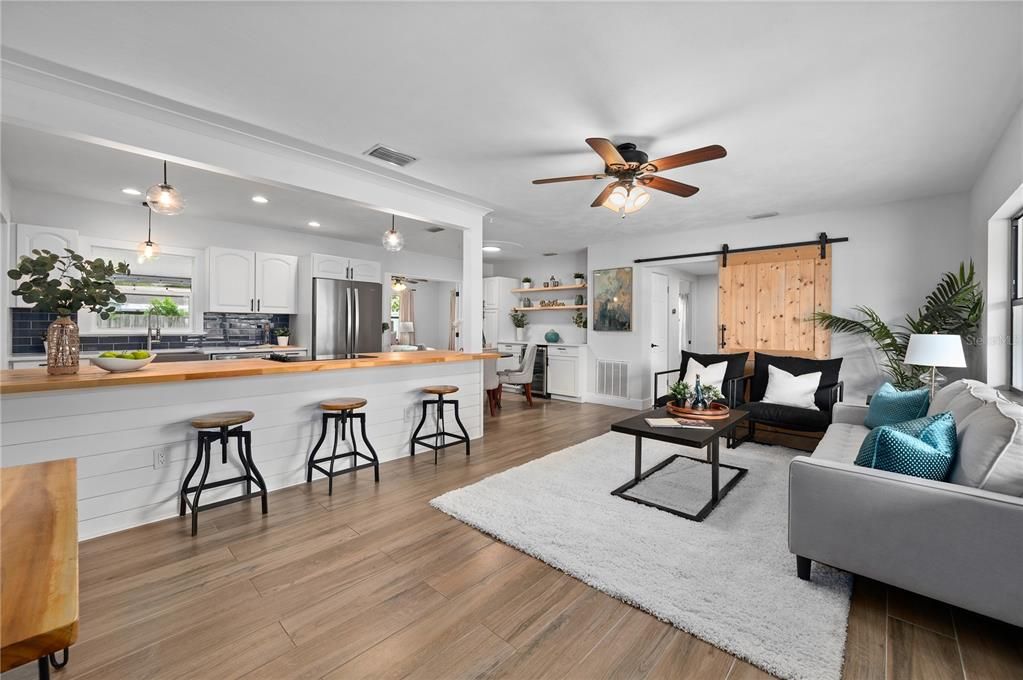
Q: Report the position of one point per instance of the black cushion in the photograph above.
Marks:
(790, 417)
(736, 367)
(829, 369)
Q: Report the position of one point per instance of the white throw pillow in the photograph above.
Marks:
(709, 375)
(791, 390)
(991, 449)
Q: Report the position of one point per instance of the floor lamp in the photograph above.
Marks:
(932, 351)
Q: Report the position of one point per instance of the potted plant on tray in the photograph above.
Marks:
(519, 321)
(527, 282)
(64, 285)
(579, 278)
(283, 336)
(679, 392)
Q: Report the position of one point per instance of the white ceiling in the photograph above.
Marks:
(820, 105)
(48, 163)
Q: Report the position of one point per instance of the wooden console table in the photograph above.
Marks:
(38, 563)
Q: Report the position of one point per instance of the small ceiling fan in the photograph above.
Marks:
(632, 171)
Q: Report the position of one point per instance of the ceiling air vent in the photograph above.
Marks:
(762, 216)
(433, 229)
(389, 155)
(549, 254)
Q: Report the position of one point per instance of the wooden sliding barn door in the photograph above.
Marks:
(767, 298)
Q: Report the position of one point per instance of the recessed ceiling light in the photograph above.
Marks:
(131, 192)
(260, 199)
(491, 249)
(313, 223)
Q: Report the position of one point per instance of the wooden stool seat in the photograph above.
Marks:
(440, 389)
(224, 419)
(343, 404)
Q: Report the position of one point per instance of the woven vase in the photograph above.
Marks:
(62, 347)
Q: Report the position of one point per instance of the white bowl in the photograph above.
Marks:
(121, 365)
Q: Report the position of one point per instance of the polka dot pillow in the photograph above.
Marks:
(926, 449)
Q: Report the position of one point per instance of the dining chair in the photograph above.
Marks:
(523, 375)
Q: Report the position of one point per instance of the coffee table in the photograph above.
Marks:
(692, 438)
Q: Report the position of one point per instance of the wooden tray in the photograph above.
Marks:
(714, 411)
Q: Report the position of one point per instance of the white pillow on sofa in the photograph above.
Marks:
(709, 375)
(791, 390)
(991, 449)
(962, 397)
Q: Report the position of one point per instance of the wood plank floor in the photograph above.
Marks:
(374, 583)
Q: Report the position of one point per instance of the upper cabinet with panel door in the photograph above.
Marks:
(345, 268)
(30, 237)
(246, 281)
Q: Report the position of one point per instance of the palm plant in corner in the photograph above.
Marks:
(64, 285)
(953, 308)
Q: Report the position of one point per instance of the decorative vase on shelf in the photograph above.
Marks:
(62, 347)
(580, 300)
(520, 334)
(579, 281)
(526, 302)
(551, 336)
(527, 284)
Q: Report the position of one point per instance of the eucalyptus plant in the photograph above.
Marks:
(955, 307)
(65, 284)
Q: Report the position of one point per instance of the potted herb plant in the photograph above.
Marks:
(580, 278)
(527, 282)
(680, 392)
(64, 285)
(519, 321)
(283, 335)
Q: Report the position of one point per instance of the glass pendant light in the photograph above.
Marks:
(393, 240)
(147, 249)
(163, 198)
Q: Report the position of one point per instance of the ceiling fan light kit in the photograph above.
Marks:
(632, 171)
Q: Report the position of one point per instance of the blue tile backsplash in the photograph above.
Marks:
(28, 328)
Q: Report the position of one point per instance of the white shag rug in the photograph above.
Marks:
(729, 580)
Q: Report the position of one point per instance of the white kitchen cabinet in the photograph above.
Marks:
(335, 267)
(232, 280)
(491, 287)
(563, 371)
(276, 283)
(30, 237)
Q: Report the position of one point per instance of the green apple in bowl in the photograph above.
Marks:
(122, 362)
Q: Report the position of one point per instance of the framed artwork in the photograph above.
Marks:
(612, 299)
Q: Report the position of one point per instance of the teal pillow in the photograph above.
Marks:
(924, 447)
(889, 406)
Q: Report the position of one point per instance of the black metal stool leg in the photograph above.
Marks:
(44, 668)
(260, 482)
(190, 475)
(245, 465)
(319, 443)
(333, 453)
(461, 427)
(202, 482)
(59, 664)
(372, 451)
(419, 427)
(351, 430)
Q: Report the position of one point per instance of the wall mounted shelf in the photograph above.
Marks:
(555, 289)
(544, 309)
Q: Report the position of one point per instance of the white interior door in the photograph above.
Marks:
(660, 318)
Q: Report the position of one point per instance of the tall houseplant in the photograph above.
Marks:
(64, 285)
(953, 308)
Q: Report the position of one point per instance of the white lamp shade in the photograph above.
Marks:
(935, 350)
(406, 327)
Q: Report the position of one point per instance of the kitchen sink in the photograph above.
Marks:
(162, 357)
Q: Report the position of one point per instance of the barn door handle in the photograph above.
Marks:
(723, 336)
(653, 345)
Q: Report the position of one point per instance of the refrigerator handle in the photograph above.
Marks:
(358, 315)
(348, 320)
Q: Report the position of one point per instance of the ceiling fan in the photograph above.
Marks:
(632, 171)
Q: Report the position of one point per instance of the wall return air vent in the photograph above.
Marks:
(389, 155)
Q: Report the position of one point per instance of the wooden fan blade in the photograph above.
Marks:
(608, 151)
(707, 153)
(573, 178)
(669, 185)
(602, 196)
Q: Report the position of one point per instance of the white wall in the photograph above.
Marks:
(894, 257)
(995, 198)
(540, 269)
(112, 221)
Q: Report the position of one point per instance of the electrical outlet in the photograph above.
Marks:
(159, 458)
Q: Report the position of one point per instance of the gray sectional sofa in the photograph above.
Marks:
(959, 541)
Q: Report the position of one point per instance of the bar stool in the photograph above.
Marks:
(222, 427)
(342, 412)
(439, 436)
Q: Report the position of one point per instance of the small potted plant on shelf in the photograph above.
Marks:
(680, 393)
(518, 320)
(579, 278)
(579, 319)
(283, 335)
(526, 282)
(64, 285)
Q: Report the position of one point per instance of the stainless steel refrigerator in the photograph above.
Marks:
(346, 318)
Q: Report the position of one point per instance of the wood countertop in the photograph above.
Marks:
(36, 379)
(39, 561)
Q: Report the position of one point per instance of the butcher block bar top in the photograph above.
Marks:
(37, 380)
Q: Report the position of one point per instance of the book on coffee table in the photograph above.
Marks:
(678, 423)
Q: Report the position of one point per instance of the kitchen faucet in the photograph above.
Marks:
(149, 331)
